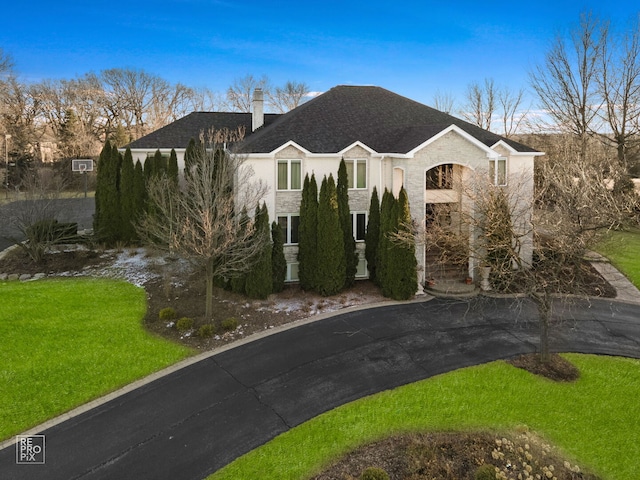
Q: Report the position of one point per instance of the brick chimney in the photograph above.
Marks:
(258, 109)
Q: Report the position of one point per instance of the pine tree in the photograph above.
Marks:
(259, 283)
(127, 197)
(278, 261)
(331, 266)
(172, 167)
(402, 269)
(346, 222)
(308, 234)
(372, 238)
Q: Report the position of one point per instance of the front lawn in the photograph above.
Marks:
(594, 421)
(66, 342)
(623, 249)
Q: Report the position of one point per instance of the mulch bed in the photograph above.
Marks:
(555, 368)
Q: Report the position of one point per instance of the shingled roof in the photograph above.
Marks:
(177, 134)
(382, 120)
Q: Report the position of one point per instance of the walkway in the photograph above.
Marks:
(194, 421)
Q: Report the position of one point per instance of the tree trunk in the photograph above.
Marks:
(544, 317)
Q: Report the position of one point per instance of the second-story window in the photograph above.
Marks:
(440, 177)
(289, 175)
(357, 173)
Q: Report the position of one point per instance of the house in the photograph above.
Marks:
(388, 141)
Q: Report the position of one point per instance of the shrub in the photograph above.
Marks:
(184, 324)
(374, 473)
(206, 330)
(167, 313)
(229, 324)
(485, 472)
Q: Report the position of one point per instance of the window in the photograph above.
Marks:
(440, 177)
(289, 225)
(498, 176)
(359, 222)
(292, 272)
(356, 173)
(289, 174)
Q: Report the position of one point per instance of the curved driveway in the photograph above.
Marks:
(194, 421)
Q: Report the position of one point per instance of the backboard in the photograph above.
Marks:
(82, 165)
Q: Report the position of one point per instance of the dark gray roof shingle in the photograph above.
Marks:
(383, 120)
(177, 134)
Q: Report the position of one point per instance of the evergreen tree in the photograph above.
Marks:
(346, 222)
(372, 237)
(278, 261)
(190, 154)
(127, 197)
(139, 191)
(238, 284)
(331, 266)
(384, 243)
(159, 164)
(259, 283)
(172, 167)
(108, 219)
(149, 164)
(308, 234)
(402, 278)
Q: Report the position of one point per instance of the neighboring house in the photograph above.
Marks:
(386, 140)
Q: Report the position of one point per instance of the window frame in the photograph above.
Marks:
(354, 225)
(288, 232)
(444, 180)
(353, 182)
(495, 174)
(289, 163)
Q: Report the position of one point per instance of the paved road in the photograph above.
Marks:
(190, 423)
(79, 210)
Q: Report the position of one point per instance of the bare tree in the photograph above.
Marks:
(480, 105)
(33, 222)
(240, 93)
(566, 84)
(619, 86)
(286, 98)
(444, 101)
(201, 221)
(510, 103)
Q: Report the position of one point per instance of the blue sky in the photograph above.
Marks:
(413, 48)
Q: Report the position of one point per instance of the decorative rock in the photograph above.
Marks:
(39, 276)
(3, 276)
(13, 277)
(24, 276)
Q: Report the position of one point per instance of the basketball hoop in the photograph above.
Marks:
(82, 168)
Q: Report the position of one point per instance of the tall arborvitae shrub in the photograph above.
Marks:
(372, 237)
(190, 154)
(139, 190)
(346, 222)
(308, 234)
(278, 261)
(259, 283)
(331, 266)
(384, 243)
(127, 197)
(159, 164)
(401, 277)
(172, 167)
(108, 219)
(238, 284)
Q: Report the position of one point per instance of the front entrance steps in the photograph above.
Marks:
(450, 288)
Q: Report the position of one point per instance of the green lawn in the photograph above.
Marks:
(623, 249)
(595, 421)
(66, 342)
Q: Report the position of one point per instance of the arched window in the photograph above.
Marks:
(440, 177)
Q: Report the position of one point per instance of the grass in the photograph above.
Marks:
(66, 342)
(623, 249)
(594, 421)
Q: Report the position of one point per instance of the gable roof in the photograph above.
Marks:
(177, 134)
(383, 120)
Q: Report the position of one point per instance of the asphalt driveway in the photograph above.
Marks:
(194, 421)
